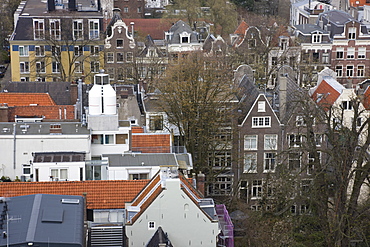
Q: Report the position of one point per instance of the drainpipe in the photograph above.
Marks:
(14, 146)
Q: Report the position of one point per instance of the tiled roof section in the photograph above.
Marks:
(366, 98)
(136, 129)
(243, 26)
(146, 190)
(191, 187)
(26, 99)
(151, 143)
(103, 194)
(153, 27)
(55, 112)
(327, 92)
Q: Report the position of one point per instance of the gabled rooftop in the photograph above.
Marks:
(327, 91)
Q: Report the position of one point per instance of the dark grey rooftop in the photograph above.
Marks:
(35, 8)
(310, 28)
(43, 220)
(337, 17)
(145, 160)
(43, 128)
(59, 157)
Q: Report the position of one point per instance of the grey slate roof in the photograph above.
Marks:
(42, 128)
(180, 27)
(310, 28)
(44, 220)
(159, 237)
(145, 159)
(337, 17)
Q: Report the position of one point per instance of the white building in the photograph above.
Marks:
(170, 203)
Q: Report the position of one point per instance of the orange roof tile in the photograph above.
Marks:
(26, 99)
(151, 143)
(153, 27)
(55, 112)
(326, 94)
(366, 98)
(136, 129)
(243, 26)
(102, 194)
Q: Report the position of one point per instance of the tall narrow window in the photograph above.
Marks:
(55, 29)
(38, 29)
(361, 53)
(77, 30)
(340, 53)
(40, 67)
(352, 33)
(349, 70)
(94, 66)
(55, 67)
(360, 70)
(93, 29)
(250, 162)
(350, 52)
(24, 67)
(339, 70)
(40, 51)
(24, 51)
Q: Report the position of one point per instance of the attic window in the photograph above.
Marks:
(184, 37)
(70, 201)
(151, 225)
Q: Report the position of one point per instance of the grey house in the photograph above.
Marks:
(42, 220)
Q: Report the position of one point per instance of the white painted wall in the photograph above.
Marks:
(123, 173)
(25, 145)
(179, 217)
(44, 170)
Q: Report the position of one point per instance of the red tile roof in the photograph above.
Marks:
(103, 194)
(327, 92)
(153, 27)
(366, 98)
(136, 129)
(26, 99)
(151, 143)
(243, 26)
(55, 112)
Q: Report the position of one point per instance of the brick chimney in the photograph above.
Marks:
(201, 178)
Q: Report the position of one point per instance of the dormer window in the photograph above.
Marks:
(185, 38)
(352, 33)
(316, 37)
(283, 42)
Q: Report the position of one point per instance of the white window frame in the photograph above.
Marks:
(39, 51)
(269, 162)
(295, 140)
(185, 35)
(311, 162)
(261, 106)
(77, 29)
(292, 158)
(24, 50)
(94, 27)
(94, 50)
(360, 70)
(78, 50)
(58, 172)
(270, 141)
(38, 29)
(55, 29)
(250, 142)
(55, 67)
(350, 71)
(151, 225)
(94, 66)
(256, 189)
(40, 67)
(316, 37)
(339, 53)
(78, 67)
(129, 57)
(110, 57)
(24, 67)
(350, 53)
(352, 32)
(339, 70)
(250, 163)
(261, 122)
(300, 121)
(361, 53)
